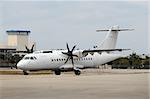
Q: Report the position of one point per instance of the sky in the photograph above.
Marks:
(53, 23)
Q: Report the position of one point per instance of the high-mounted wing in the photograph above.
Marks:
(104, 50)
(83, 53)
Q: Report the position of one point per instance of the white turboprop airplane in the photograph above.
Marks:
(73, 60)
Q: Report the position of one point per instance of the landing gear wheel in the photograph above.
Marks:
(25, 73)
(77, 72)
(57, 72)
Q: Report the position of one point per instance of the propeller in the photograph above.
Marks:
(14, 67)
(70, 54)
(29, 50)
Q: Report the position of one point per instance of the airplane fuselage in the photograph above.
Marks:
(55, 60)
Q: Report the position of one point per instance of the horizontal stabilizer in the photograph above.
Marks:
(114, 30)
(111, 38)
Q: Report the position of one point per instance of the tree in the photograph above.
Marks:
(121, 63)
(135, 61)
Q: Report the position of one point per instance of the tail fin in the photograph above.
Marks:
(111, 37)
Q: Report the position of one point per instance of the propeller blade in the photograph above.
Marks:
(26, 47)
(72, 60)
(75, 55)
(73, 48)
(11, 67)
(67, 47)
(32, 48)
(28, 50)
(16, 67)
(67, 60)
(66, 53)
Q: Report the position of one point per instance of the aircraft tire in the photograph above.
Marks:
(77, 72)
(57, 72)
(25, 73)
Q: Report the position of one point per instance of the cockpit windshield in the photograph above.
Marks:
(30, 58)
(26, 58)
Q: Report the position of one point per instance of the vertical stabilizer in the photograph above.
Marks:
(111, 38)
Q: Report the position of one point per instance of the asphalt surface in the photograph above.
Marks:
(109, 84)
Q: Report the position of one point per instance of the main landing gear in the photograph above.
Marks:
(77, 72)
(57, 72)
(25, 73)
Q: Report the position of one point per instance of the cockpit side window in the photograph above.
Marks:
(35, 57)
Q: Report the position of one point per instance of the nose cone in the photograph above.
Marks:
(23, 64)
(20, 65)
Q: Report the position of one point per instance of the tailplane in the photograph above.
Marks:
(111, 38)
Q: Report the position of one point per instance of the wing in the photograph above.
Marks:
(103, 50)
(83, 53)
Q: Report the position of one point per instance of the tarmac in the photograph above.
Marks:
(91, 84)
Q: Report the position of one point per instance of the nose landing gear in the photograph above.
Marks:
(25, 73)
